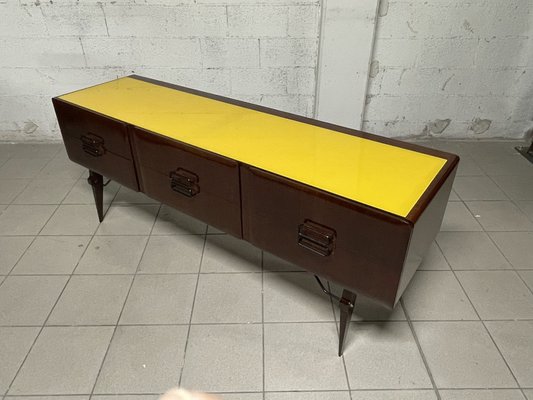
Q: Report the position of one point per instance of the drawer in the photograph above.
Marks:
(98, 132)
(197, 182)
(343, 241)
(108, 164)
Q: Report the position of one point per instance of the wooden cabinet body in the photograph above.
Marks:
(367, 249)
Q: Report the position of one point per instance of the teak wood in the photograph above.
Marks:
(367, 231)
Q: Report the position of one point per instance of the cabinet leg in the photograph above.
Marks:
(346, 304)
(97, 182)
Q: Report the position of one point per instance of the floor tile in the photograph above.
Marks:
(345, 395)
(506, 165)
(394, 395)
(11, 249)
(458, 218)
(24, 220)
(294, 297)
(516, 247)
(224, 253)
(27, 300)
(462, 355)
(124, 397)
(91, 300)
(497, 294)
(14, 345)
(72, 220)
(61, 168)
(128, 196)
(223, 358)
(384, 356)
(434, 260)
(516, 187)
(64, 360)
(173, 222)
(52, 255)
(468, 167)
(211, 230)
(128, 220)
(241, 396)
(11, 188)
(22, 168)
(453, 196)
(495, 394)
(477, 188)
(527, 276)
(471, 250)
(160, 299)
(303, 357)
(367, 309)
(515, 341)
(500, 216)
(46, 398)
(228, 298)
(436, 295)
(143, 359)
(34, 150)
(82, 193)
(112, 255)
(271, 263)
(527, 208)
(172, 254)
(45, 191)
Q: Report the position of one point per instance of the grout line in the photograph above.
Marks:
(419, 346)
(123, 304)
(53, 307)
(365, 322)
(487, 330)
(274, 391)
(263, 317)
(192, 310)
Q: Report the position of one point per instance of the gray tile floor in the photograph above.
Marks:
(151, 298)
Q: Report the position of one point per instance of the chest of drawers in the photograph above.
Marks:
(351, 207)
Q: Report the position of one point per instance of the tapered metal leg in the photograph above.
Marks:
(346, 304)
(97, 182)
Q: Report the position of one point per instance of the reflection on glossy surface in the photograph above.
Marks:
(380, 175)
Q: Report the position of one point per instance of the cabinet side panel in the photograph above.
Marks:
(424, 232)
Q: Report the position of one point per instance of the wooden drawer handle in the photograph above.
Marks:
(184, 182)
(317, 238)
(92, 144)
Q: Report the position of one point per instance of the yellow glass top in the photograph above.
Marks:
(380, 175)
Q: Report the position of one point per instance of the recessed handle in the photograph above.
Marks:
(184, 182)
(316, 237)
(92, 144)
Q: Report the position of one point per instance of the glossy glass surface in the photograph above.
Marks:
(380, 175)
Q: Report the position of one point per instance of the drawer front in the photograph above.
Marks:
(337, 239)
(199, 183)
(98, 134)
(110, 165)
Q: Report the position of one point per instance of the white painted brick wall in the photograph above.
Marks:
(263, 51)
(452, 60)
(433, 59)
